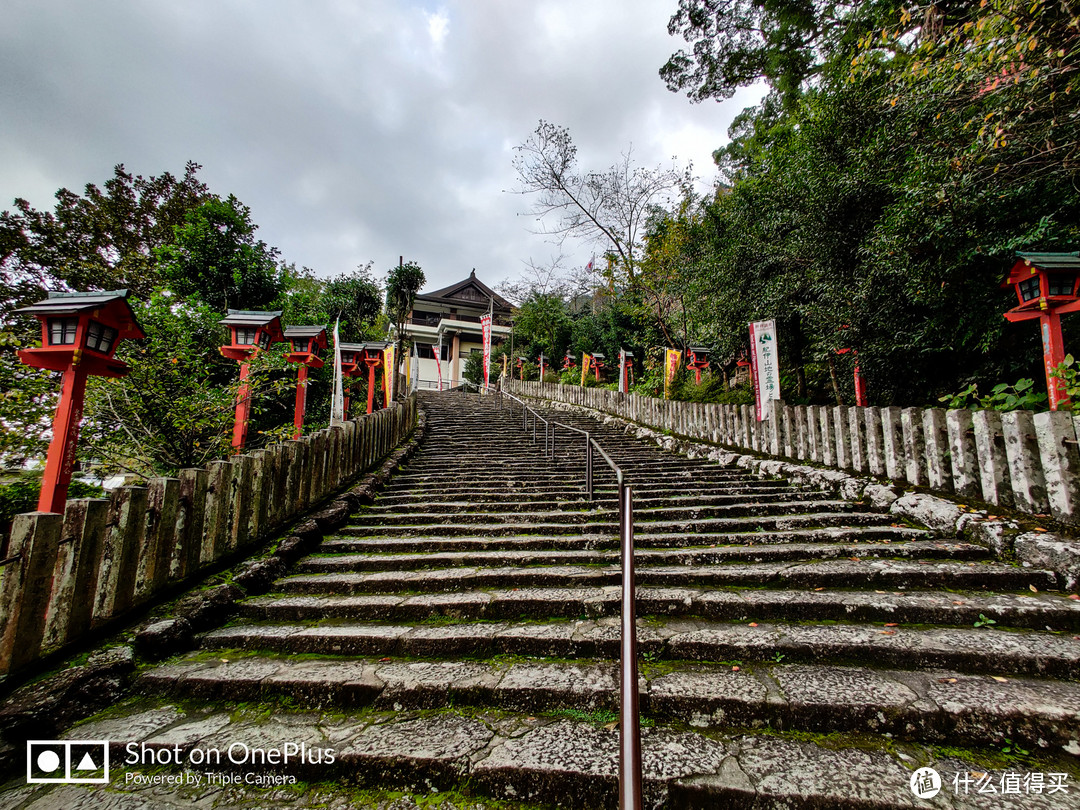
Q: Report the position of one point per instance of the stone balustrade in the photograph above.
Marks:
(1015, 459)
(69, 574)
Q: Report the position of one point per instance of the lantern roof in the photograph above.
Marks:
(114, 302)
(351, 347)
(269, 320)
(1029, 263)
(304, 331)
(375, 344)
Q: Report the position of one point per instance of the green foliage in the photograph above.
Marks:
(982, 621)
(1002, 397)
(214, 255)
(21, 495)
(474, 368)
(175, 408)
(403, 282)
(105, 238)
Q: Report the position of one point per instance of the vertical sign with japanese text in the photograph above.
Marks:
(672, 358)
(485, 328)
(765, 366)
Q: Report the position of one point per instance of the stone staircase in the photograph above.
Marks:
(461, 634)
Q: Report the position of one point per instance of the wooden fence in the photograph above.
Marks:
(67, 574)
(1018, 459)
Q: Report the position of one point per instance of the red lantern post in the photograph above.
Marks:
(567, 361)
(305, 343)
(373, 358)
(79, 336)
(251, 331)
(597, 364)
(1046, 288)
(351, 360)
(698, 361)
(542, 363)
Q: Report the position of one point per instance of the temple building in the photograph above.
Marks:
(450, 318)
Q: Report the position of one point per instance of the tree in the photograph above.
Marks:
(403, 282)
(214, 255)
(104, 239)
(787, 43)
(609, 207)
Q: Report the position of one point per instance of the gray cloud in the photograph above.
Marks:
(354, 130)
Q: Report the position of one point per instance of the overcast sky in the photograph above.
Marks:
(354, 130)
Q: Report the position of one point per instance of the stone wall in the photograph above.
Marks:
(1017, 459)
(68, 574)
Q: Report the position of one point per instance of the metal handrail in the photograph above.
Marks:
(630, 776)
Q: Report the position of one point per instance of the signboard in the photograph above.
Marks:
(671, 366)
(389, 372)
(586, 361)
(485, 328)
(764, 363)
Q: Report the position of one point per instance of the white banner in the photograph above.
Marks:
(765, 365)
(337, 403)
(485, 327)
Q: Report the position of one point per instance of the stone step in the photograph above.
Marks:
(343, 561)
(839, 534)
(487, 503)
(716, 527)
(582, 512)
(851, 573)
(1027, 653)
(526, 759)
(941, 706)
(401, 496)
(942, 608)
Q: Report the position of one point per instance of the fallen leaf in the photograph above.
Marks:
(888, 632)
(892, 624)
(992, 517)
(753, 624)
(384, 660)
(735, 669)
(1075, 597)
(946, 680)
(1039, 529)
(881, 592)
(853, 559)
(819, 589)
(959, 602)
(611, 726)
(1033, 589)
(999, 679)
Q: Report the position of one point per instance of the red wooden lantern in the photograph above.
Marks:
(373, 355)
(626, 370)
(352, 366)
(305, 345)
(521, 361)
(597, 364)
(250, 331)
(1046, 288)
(698, 361)
(567, 361)
(542, 363)
(79, 336)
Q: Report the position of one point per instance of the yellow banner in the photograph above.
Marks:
(671, 366)
(388, 374)
(586, 360)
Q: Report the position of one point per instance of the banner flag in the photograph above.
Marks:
(622, 371)
(389, 372)
(764, 366)
(671, 366)
(485, 328)
(337, 403)
(586, 361)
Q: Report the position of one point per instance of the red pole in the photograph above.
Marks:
(61, 458)
(371, 388)
(860, 385)
(1053, 356)
(697, 376)
(301, 400)
(243, 410)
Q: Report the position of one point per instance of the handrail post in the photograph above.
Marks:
(629, 720)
